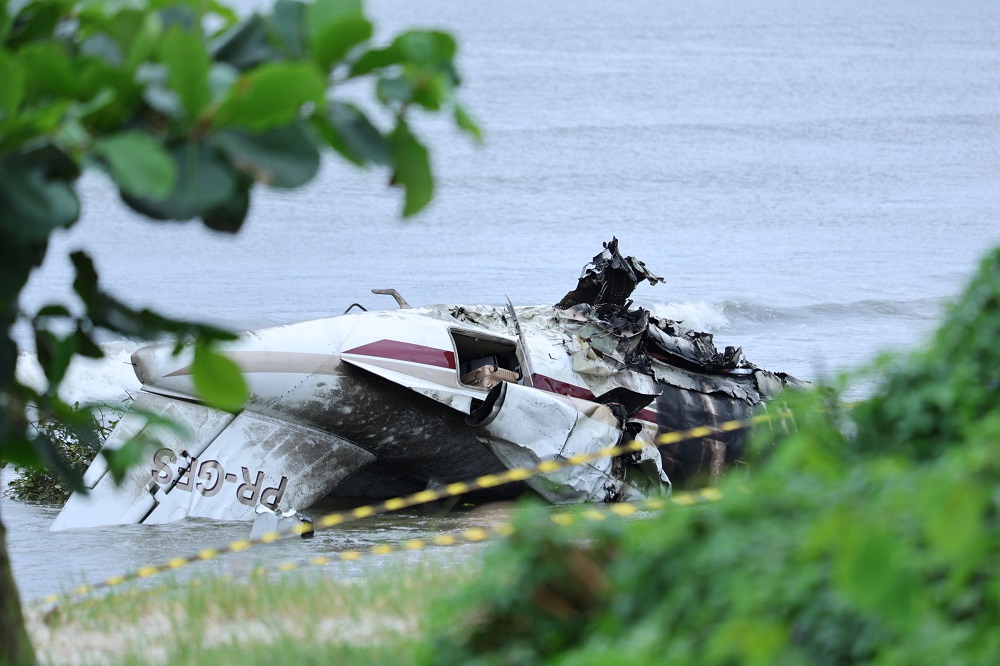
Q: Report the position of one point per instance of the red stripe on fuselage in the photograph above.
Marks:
(647, 415)
(406, 351)
(546, 383)
(551, 385)
(414, 353)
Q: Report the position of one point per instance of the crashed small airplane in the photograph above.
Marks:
(383, 403)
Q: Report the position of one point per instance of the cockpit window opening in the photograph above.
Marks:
(483, 361)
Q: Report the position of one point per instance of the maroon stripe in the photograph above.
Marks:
(562, 388)
(551, 385)
(647, 415)
(406, 351)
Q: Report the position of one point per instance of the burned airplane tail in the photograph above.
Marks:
(211, 464)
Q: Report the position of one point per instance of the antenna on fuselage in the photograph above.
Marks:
(403, 305)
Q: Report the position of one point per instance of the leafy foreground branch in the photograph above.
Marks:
(187, 108)
(868, 535)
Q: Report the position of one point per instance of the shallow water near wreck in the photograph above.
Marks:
(812, 182)
(62, 560)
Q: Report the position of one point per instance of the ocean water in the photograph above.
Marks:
(813, 180)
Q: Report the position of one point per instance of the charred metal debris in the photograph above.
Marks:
(632, 361)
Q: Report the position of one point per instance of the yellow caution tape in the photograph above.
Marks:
(422, 497)
(471, 535)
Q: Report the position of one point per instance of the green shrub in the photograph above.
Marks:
(78, 442)
(865, 535)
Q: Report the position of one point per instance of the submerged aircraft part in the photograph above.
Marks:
(374, 404)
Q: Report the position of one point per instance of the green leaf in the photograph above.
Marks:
(52, 73)
(218, 380)
(98, 78)
(140, 34)
(5, 20)
(272, 96)
(870, 571)
(352, 134)
(228, 218)
(376, 59)
(12, 89)
(205, 181)
(288, 22)
(429, 50)
(282, 157)
(245, 45)
(220, 9)
(953, 518)
(338, 38)
(426, 47)
(395, 89)
(125, 27)
(413, 169)
(53, 310)
(33, 206)
(153, 79)
(19, 451)
(85, 282)
(184, 55)
(54, 162)
(130, 453)
(321, 13)
(54, 354)
(36, 21)
(139, 164)
(85, 345)
(432, 92)
(467, 124)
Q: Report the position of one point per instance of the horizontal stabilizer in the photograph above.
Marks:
(222, 471)
(130, 501)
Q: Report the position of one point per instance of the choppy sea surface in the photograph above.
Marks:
(813, 180)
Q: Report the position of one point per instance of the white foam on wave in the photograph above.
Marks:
(697, 315)
(107, 380)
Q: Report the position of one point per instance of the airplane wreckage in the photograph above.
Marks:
(384, 403)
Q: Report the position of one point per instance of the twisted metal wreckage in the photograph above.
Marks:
(383, 403)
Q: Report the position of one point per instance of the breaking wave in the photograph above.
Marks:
(697, 315)
(107, 380)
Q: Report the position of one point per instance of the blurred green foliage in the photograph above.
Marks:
(186, 107)
(43, 485)
(866, 534)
